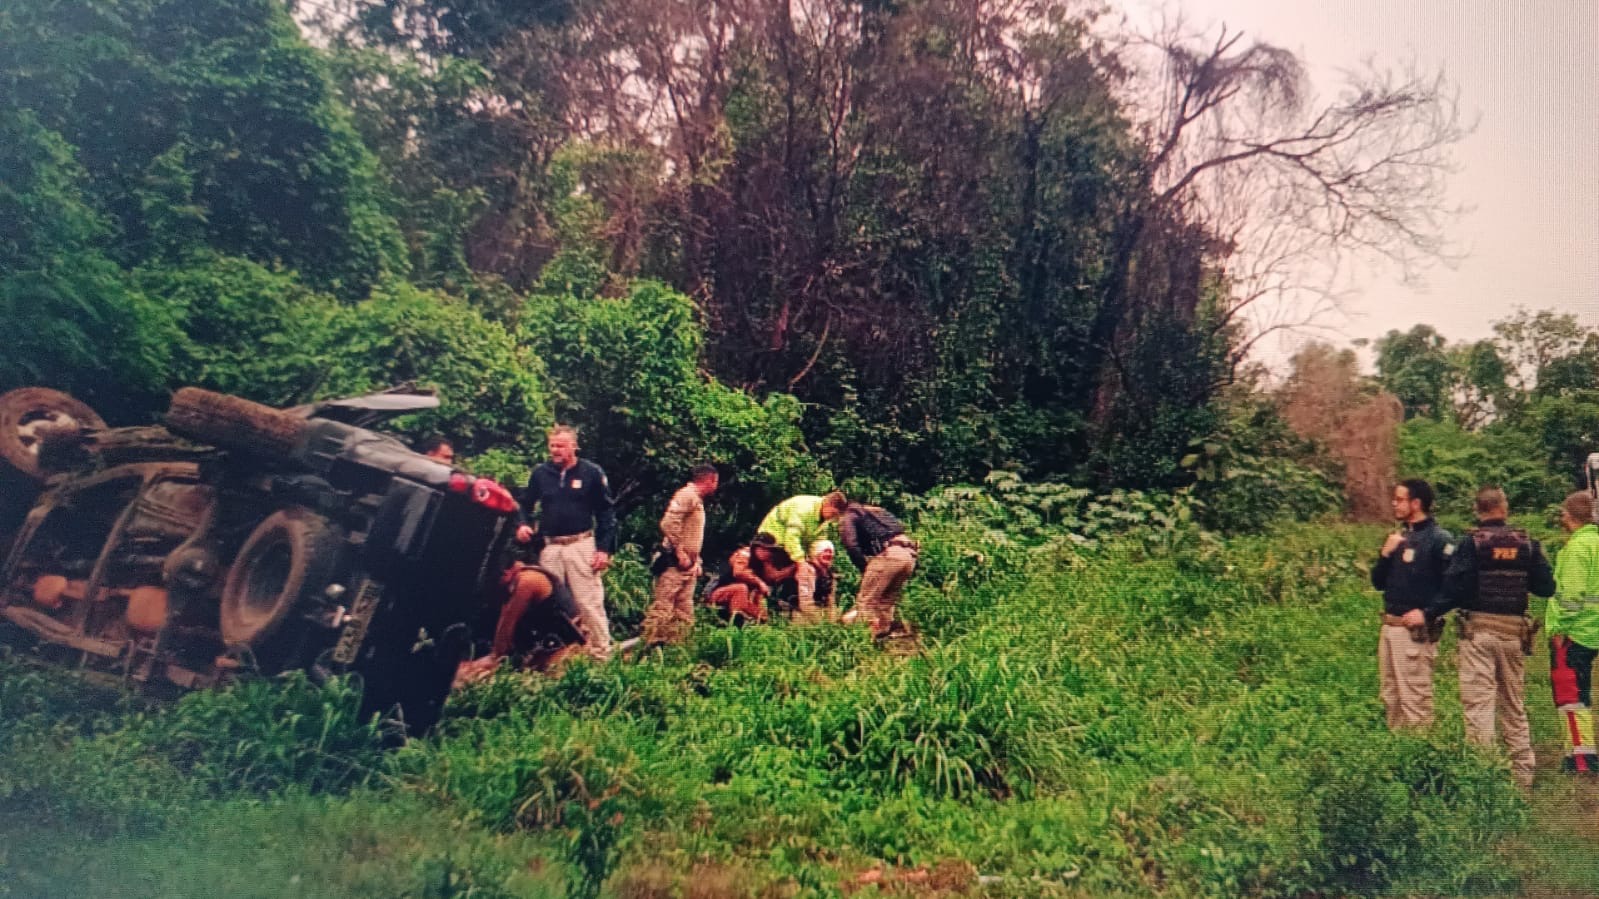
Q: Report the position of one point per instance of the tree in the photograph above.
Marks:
(203, 125)
(1530, 341)
(1235, 143)
(1481, 388)
(1416, 367)
(1325, 399)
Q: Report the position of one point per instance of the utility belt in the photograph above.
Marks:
(1431, 632)
(1521, 628)
(665, 559)
(903, 541)
(568, 539)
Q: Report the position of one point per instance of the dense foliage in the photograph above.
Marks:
(1213, 730)
(1520, 409)
(890, 244)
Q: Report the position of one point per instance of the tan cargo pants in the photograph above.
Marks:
(882, 583)
(573, 563)
(1493, 679)
(1405, 667)
(670, 617)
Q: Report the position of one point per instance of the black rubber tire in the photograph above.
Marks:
(235, 424)
(288, 556)
(26, 413)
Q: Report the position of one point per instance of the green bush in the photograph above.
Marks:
(1457, 462)
(626, 370)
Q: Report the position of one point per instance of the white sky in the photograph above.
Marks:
(1528, 73)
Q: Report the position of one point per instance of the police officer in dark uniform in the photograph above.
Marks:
(1494, 568)
(1409, 571)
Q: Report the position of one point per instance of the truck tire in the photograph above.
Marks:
(234, 423)
(27, 413)
(288, 556)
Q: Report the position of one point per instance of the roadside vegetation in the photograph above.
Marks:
(961, 264)
(1142, 709)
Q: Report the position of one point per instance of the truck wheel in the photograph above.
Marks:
(234, 423)
(289, 555)
(27, 413)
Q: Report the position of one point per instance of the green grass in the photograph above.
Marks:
(1163, 715)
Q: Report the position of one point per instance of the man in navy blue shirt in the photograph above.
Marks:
(577, 520)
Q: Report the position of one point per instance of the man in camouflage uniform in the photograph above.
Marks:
(671, 616)
(1494, 568)
(1409, 571)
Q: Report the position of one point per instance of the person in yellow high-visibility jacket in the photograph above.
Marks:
(1572, 620)
(795, 524)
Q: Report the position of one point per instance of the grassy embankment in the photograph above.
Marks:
(1170, 715)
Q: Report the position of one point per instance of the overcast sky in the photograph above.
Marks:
(1528, 72)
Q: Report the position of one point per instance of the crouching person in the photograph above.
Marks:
(822, 555)
(538, 624)
(876, 542)
(747, 581)
(793, 527)
(671, 615)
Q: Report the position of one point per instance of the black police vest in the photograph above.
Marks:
(1504, 565)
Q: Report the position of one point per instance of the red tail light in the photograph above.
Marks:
(483, 491)
(491, 495)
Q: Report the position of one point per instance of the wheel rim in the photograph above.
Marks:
(32, 425)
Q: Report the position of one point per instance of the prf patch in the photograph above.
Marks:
(1505, 554)
(1410, 555)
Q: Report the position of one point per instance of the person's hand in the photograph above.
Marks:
(1394, 541)
(685, 560)
(1414, 618)
(524, 534)
(602, 561)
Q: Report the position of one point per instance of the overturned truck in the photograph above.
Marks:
(240, 539)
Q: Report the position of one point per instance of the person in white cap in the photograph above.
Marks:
(826, 600)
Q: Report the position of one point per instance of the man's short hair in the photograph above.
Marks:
(835, 500)
(1579, 506)
(700, 472)
(561, 429)
(764, 540)
(1491, 499)
(1419, 490)
(432, 442)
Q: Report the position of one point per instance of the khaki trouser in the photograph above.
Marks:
(671, 616)
(1405, 667)
(1493, 676)
(882, 583)
(573, 563)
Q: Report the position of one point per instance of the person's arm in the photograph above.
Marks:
(677, 512)
(849, 535)
(744, 572)
(1459, 581)
(1541, 579)
(524, 508)
(604, 514)
(1571, 581)
(794, 535)
(1380, 570)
